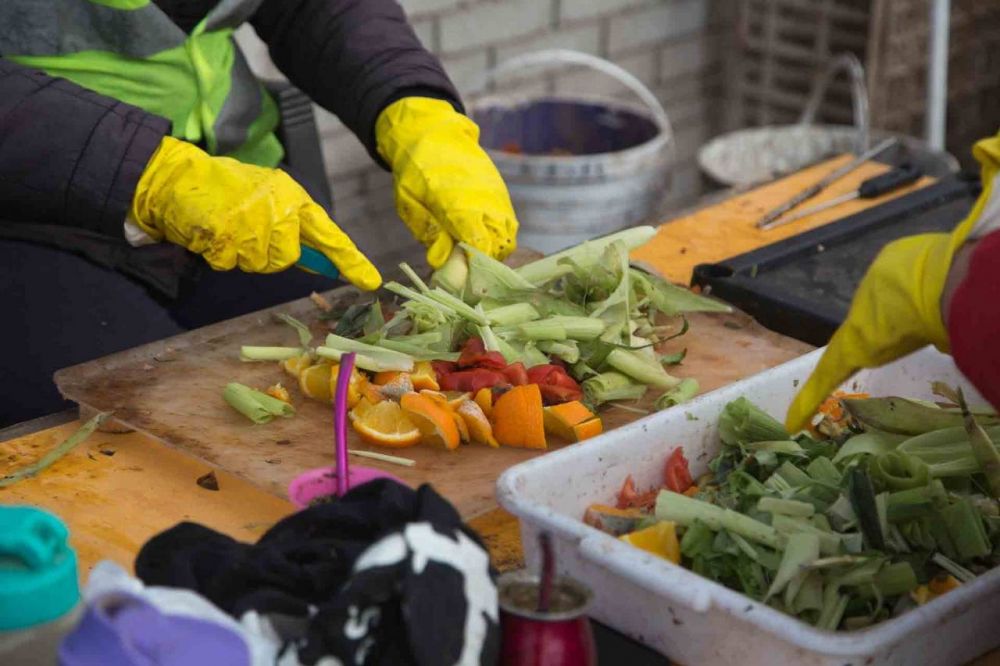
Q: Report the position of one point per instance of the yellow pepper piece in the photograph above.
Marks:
(659, 539)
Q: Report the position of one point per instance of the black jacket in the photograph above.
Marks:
(70, 158)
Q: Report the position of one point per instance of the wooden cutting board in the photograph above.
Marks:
(728, 228)
(172, 390)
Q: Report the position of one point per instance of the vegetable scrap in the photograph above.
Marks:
(883, 505)
(60, 450)
(488, 354)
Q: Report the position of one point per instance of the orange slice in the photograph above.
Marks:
(372, 393)
(477, 424)
(397, 387)
(561, 420)
(315, 382)
(590, 428)
(384, 424)
(436, 423)
(295, 365)
(278, 391)
(355, 387)
(384, 377)
(484, 398)
(423, 376)
(452, 407)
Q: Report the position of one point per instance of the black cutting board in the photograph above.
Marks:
(802, 286)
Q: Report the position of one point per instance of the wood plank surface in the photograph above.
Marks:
(728, 229)
(116, 491)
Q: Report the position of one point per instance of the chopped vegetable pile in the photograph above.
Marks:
(497, 355)
(884, 505)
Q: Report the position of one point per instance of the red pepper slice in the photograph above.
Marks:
(442, 368)
(516, 374)
(676, 475)
(556, 395)
(471, 380)
(630, 498)
(539, 374)
(474, 355)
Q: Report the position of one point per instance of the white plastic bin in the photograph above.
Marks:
(696, 621)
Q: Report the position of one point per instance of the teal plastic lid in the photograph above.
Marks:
(38, 579)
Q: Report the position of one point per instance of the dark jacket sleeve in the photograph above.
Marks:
(353, 57)
(69, 156)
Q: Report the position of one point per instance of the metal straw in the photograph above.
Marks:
(340, 420)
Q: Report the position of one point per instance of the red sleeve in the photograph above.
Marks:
(974, 320)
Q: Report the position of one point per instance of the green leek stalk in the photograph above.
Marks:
(305, 335)
(567, 350)
(895, 579)
(256, 406)
(61, 449)
(686, 510)
(896, 470)
(453, 273)
(366, 362)
(785, 507)
(249, 353)
(641, 369)
(683, 392)
(585, 255)
(392, 360)
(609, 386)
(417, 352)
(801, 551)
(864, 444)
(559, 327)
(743, 421)
(512, 315)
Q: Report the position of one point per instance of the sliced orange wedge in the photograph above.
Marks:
(355, 387)
(397, 387)
(295, 365)
(424, 377)
(384, 424)
(478, 425)
(384, 377)
(484, 398)
(315, 382)
(436, 423)
(452, 407)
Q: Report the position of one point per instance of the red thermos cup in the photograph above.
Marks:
(560, 636)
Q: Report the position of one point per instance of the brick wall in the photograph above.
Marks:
(673, 46)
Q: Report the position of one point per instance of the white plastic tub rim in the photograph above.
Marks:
(546, 493)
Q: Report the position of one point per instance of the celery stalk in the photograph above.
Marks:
(64, 447)
(683, 392)
(489, 277)
(250, 353)
(414, 278)
(417, 352)
(540, 330)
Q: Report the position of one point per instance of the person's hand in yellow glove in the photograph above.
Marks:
(238, 215)
(897, 308)
(447, 188)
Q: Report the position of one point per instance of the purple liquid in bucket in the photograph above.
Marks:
(322, 481)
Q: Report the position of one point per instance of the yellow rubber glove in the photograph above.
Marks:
(897, 307)
(238, 215)
(447, 188)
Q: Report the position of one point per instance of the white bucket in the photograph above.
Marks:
(576, 166)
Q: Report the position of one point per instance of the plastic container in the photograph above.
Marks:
(576, 166)
(692, 619)
(39, 593)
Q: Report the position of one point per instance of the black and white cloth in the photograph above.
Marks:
(384, 575)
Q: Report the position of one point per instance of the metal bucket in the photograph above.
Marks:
(577, 167)
(751, 156)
